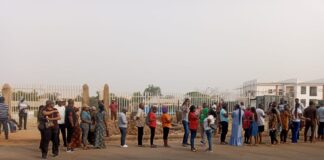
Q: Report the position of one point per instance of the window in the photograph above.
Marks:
(312, 91)
(303, 90)
(270, 91)
(280, 92)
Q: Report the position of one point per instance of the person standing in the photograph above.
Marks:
(140, 123)
(85, 125)
(261, 116)
(208, 123)
(236, 136)
(152, 125)
(193, 126)
(224, 123)
(122, 123)
(101, 128)
(61, 109)
(247, 120)
(310, 115)
(113, 109)
(273, 120)
(185, 122)
(91, 136)
(23, 113)
(320, 116)
(285, 116)
(254, 126)
(242, 106)
(41, 125)
(202, 117)
(76, 137)
(4, 116)
(296, 118)
(51, 129)
(166, 124)
(70, 122)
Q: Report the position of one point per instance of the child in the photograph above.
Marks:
(166, 124)
(208, 123)
(193, 125)
(152, 124)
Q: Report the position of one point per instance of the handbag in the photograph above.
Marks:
(49, 123)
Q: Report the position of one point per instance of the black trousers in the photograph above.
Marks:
(23, 117)
(273, 136)
(63, 132)
(140, 135)
(308, 125)
(247, 135)
(166, 133)
(283, 135)
(50, 134)
(41, 143)
(224, 130)
(152, 135)
(69, 134)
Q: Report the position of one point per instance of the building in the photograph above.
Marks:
(291, 88)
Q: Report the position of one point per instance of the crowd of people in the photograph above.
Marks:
(87, 128)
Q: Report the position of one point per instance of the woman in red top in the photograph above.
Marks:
(152, 124)
(193, 126)
(247, 119)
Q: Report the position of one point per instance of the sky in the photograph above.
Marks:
(179, 45)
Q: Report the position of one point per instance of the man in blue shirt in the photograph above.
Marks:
(4, 116)
(224, 123)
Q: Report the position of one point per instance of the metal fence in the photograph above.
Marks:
(172, 100)
(36, 95)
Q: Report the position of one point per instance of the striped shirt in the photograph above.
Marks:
(3, 111)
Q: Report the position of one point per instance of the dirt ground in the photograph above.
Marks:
(24, 145)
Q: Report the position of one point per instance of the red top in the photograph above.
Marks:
(247, 119)
(54, 115)
(152, 117)
(193, 121)
(113, 107)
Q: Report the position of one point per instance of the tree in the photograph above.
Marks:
(137, 98)
(198, 98)
(152, 90)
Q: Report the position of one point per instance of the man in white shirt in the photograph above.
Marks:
(23, 113)
(296, 116)
(61, 109)
(242, 106)
(261, 116)
(140, 123)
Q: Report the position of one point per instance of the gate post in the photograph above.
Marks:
(85, 95)
(106, 96)
(6, 92)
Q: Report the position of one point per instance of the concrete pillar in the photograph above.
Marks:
(6, 92)
(106, 96)
(323, 92)
(85, 95)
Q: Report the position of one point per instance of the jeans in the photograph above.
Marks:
(63, 132)
(166, 133)
(123, 136)
(308, 125)
(247, 134)
(140, 135)
(209, 134)
(295, 132)
(152, 135)
(50, 134)
(224, 130)
(22, 117)
(4, 123)
(193, 134)
(273, 136)
(85, 132)
(186, 132)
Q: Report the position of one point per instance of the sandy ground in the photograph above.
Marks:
(24, 145)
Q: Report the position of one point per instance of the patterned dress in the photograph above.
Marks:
(76, 137)
(100, 130)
